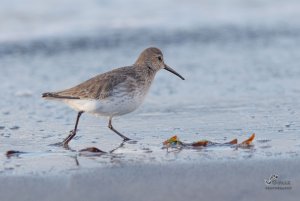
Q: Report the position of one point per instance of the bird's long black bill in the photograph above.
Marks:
(168, 68)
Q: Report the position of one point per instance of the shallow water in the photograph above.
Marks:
(242, 77)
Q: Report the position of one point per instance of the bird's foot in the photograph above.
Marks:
(65, 142)
(125, 139)
(130, 141)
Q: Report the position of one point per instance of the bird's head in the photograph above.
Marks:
(152, 58)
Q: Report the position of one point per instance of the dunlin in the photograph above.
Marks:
(114, 93)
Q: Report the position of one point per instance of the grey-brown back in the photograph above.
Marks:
(101, 86)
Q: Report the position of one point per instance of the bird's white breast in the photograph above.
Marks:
(121, 103)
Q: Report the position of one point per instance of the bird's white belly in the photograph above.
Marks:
(111, 106)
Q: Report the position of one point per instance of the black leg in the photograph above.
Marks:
(72, 132)
(110, 126)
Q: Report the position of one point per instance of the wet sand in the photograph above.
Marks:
(226, 180)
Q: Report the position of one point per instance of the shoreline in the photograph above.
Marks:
(229, 180)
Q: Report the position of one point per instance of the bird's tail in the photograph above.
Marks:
(50, 95)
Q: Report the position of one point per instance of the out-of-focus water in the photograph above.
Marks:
(240, 60)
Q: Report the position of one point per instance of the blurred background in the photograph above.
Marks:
(240, 59)
(239, 45)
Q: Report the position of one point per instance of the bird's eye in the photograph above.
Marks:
(159, 58)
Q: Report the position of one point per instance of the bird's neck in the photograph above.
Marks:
(146, 75)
